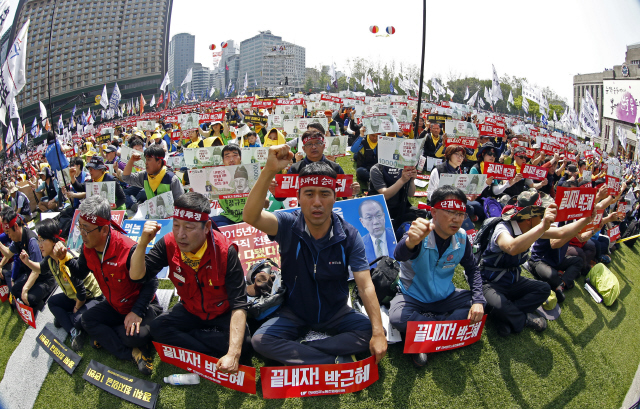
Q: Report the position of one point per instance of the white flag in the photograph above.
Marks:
(4, 13)
(9, 138)
(622, 137)
(472, 100)
(187, 79)
(246, 82)
(153, 101)
(13, 112)
(487, 95)
(481, 102)
(213, 89)
(166, 81)
(496, 92)
(104, 99)
(525, 105)
(13, 76)
(466, 94)
(43, 112)
(555, 117)
(450, 93)
(510, 100)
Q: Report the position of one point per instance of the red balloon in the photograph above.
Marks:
(391, 30)
(212, 47)
(374, 29)
(223, 45)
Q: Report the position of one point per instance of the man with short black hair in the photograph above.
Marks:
(317, 247)
(156, 179)
(429, 253)
(204, 267)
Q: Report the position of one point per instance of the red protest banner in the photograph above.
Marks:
(471, 235)
(588, 154)
(316, 380)
(574, 202)
(571, 157)
(613, 185)
(281, 101)
(26, 313)
(614, 233)
(262, 104)
(4, 292)
(288, 185)
(594, 223)
(212, 117)
(534, 172)
(622, 207)
(331, 98)
(467, 142)
(529, 152)
(205, 366)
(499, 171)
(550, 149)
(436, 336)
(253, 245)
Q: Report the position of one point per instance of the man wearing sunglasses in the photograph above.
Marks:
(428, 254)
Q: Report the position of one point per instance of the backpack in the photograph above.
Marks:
(385, 277)
(492, 208)
(260, 307)
(483, 237)
(605, 282)
(632, 230)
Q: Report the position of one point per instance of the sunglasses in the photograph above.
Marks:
(490, 153)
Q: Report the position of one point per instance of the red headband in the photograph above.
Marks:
(57, 236)
(99, 221)
(313, 135)
(13, 222)
(509, 207)
(449, 204)
(317, 181)
(189, 215)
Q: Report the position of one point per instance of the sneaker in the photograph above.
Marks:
(345, 359)
(145, 363)
(77, 340)
(536, 322)
(504, 329)
(134, 208)
(560, 293)
(419, 360)
(56, 323)
(604, 259)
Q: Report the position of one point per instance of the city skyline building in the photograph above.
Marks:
(181, 58)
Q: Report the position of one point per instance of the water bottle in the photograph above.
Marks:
(182, 379)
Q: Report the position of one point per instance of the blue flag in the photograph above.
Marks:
(34, 127)
(232, 88)
(391, 86)
(544, 120)
(73, 112)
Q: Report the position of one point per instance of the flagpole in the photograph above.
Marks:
(424, 34)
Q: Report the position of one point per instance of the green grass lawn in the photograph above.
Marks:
(585, 359)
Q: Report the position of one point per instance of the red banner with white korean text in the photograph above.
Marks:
(253, 245)
(574, 202)
(528, 152)
(470, 143)
(614, 233)
(594, 223)
(315, 380)
(288, 185)
(281, 101)
(437, 336)
(4, 292)
(571, 157)
(550, 149)
(206, 367)
(212, 117)
(331, 98)
(262, 104)
(26, 313)
(613, 185)
(534, 172)
(498, 171)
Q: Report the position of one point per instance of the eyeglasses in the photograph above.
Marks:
(459, 154)
(455, 215)
(85, 231)
(314, 144)
(377, 217)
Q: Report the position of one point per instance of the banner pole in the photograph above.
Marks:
(424, 34)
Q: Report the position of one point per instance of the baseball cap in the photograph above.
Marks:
(96, 162)
(110, 149)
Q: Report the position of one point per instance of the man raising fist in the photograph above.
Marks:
(428, 254)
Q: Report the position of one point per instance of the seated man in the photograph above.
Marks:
(365, 150)
(120, 324)
(429, 253)
(316, 247)
(156, 179)
(512, 298)
(20, 202)
(210, 318)
(50, 189)
(99, 173)
(31, 287)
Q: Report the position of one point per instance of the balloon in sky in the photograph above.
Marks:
(212, 47)
(223, 44)
(391, 30)
(374, 29)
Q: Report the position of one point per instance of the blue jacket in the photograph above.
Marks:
(317, 286)
(369, 248)
(56, 162)
(428, 278)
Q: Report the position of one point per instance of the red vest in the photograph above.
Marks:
(203, 293)
(112, 273)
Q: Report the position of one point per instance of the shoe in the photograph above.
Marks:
(96, 345)
(604, 259)
(145, 363)
(56, 323)
(345, 359)
(77, 340)
(536, 322)
(419, 360)
(504, 329)
(134, 208)
(560, 293)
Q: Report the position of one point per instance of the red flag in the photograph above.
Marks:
(168, 100)
(142, 103)
(161, 99)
